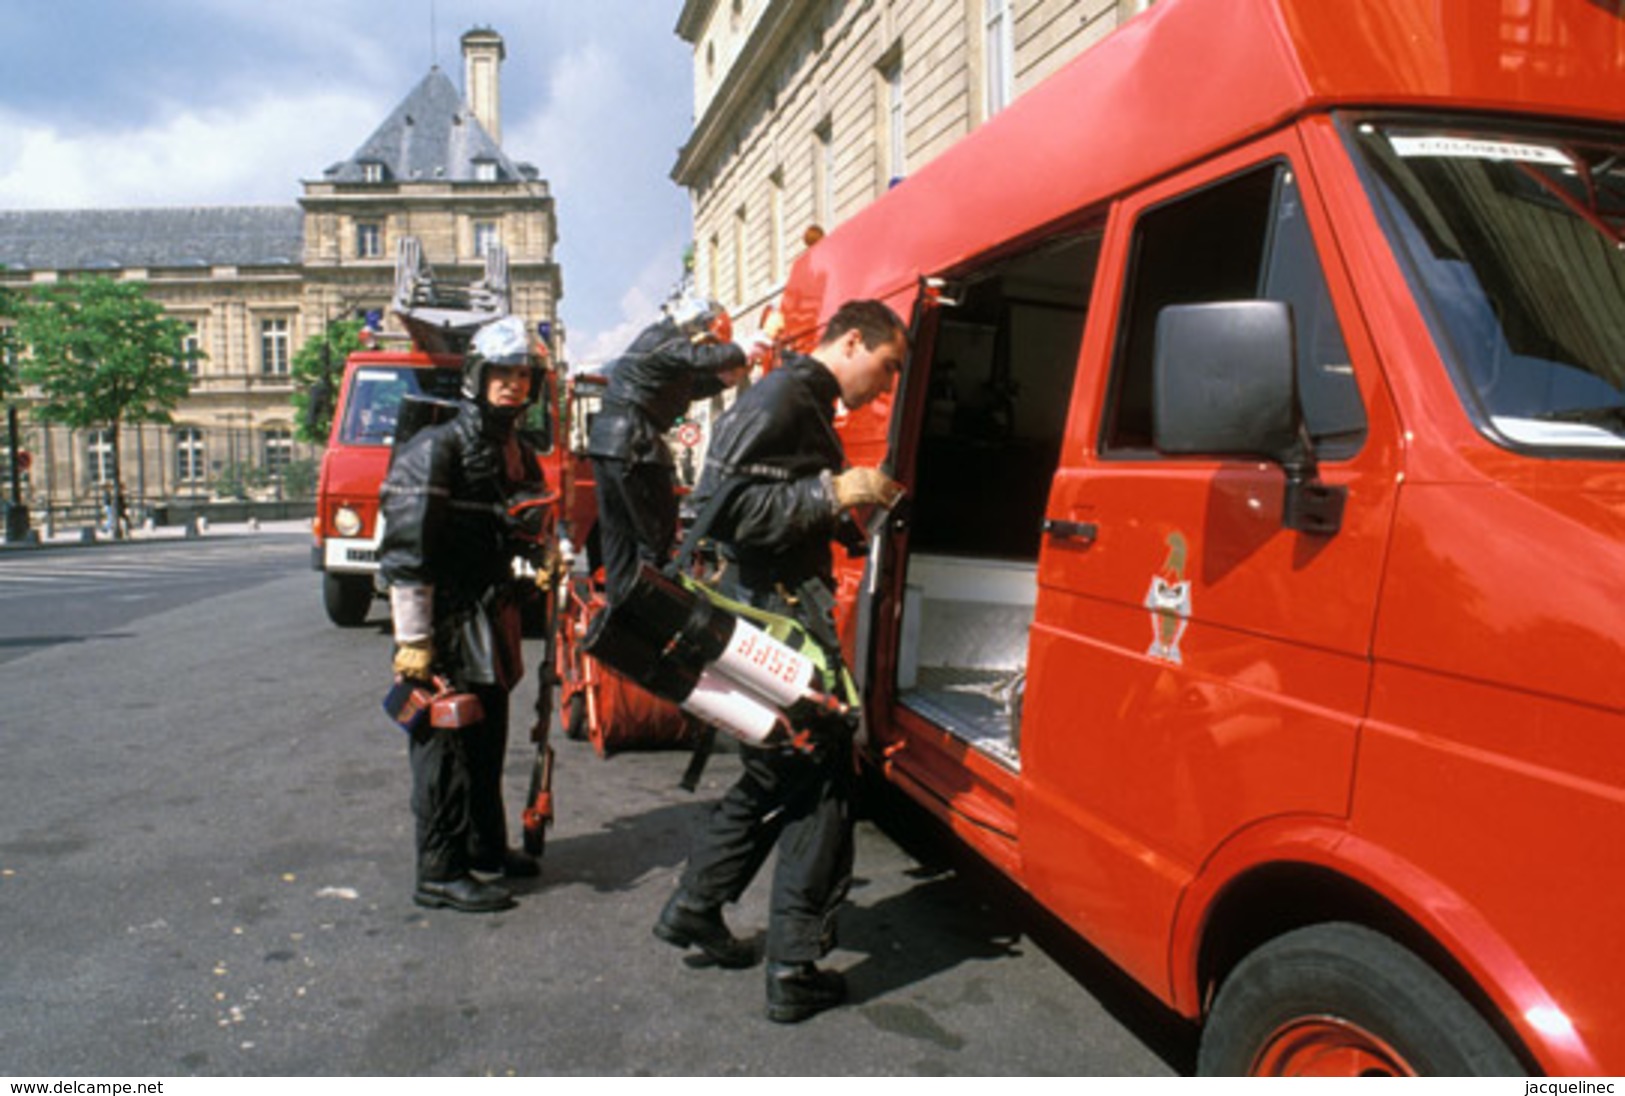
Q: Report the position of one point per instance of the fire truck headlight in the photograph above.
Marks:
(346, 522)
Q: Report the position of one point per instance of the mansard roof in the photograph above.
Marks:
(431, 136)
(110, 239)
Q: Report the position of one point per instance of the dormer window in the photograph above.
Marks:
(485, 171)
(372, 171)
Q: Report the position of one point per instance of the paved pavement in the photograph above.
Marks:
(66, 536)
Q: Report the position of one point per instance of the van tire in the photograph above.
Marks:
(1339, 999)
(347, 598)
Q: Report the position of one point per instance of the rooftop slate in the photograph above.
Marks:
(110, 239)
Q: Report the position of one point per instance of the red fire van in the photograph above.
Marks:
(1259, 607)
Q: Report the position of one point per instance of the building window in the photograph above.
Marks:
(485, 171)
(998, 56)
(99, 457)
(372, 172)
(775, 226)
(188, 454)
(485, 237)
(739, 258)
(277, 452)
(896, 135)
(824, 174)
(191, 348)
(274, 347)
(368, 240)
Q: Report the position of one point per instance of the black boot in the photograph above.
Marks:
(796, 991)
(510, 863)
(684, 922)
(464, 894)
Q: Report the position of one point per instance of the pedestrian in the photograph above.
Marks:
(686, 355)
(447, 555)
(777, 464)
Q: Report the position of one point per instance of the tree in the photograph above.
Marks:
(102, 354)
(318, 366)
(9, 351)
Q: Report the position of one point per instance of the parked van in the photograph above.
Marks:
(1260, 606)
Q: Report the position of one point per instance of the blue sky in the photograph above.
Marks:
(120, 103)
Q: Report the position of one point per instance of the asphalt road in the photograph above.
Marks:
(205, 869)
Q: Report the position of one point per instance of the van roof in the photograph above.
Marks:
(1188, 78)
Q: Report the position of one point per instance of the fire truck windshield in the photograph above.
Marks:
(1513, 236)
(374, 400)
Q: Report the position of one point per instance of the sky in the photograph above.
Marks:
(139, 103)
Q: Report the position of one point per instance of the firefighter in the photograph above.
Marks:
(686, 355)
(447, 555)
(776, 464)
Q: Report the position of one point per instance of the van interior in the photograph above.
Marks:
(996, 390)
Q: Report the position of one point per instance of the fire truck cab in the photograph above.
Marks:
(440, 320)
(1258, 605)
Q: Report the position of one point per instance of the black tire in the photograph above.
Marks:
(1343, 1000)
(575, 717)
(347, 598)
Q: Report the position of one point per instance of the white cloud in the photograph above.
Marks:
(187, 157)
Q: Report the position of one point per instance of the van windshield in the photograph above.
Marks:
(1514, 240)
(374, 401)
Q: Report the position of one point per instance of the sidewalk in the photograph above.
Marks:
(73, 536)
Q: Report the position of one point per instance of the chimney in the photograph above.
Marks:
(482, 85)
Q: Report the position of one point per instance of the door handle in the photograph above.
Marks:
(1084, 532)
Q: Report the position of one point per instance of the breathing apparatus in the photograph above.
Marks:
(687, 644)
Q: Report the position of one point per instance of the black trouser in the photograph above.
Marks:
(637, 519)
(457, 790)
(802, 803)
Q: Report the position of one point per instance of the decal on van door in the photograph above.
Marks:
(1169, 600)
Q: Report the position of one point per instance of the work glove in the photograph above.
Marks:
(549, 566)
(864, 487)
(412, 660)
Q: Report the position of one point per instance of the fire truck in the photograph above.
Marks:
(439, 320)
(1257, 608)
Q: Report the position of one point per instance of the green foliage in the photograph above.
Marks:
(237, 480)
(299, 479)
(316, 378)
(102, 353)
(9, 348)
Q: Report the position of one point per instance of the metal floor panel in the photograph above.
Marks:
(970, 704)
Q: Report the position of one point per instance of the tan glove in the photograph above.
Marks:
(412, 660)
(864, 487)
(549, 567)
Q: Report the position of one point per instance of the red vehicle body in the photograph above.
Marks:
(1262, 743)
(346, 528)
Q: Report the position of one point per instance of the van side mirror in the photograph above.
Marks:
(1224, 384)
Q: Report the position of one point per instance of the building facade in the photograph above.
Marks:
(807, 110)
(254, 283)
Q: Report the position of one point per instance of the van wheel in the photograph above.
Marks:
(347, 598)
(1339, 1000)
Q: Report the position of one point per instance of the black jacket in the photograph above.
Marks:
(660, 374)
(773, 451)
(444, 503)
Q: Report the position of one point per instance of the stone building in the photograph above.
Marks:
(253, 283)
(807, 110)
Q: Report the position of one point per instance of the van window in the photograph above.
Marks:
(1246, 238)
(1515, 237)
(1003, 359)
(373, 403)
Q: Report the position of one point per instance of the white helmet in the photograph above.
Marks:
(699, 317)
(503, 342)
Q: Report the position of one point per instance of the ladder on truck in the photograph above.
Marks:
(442, 319)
